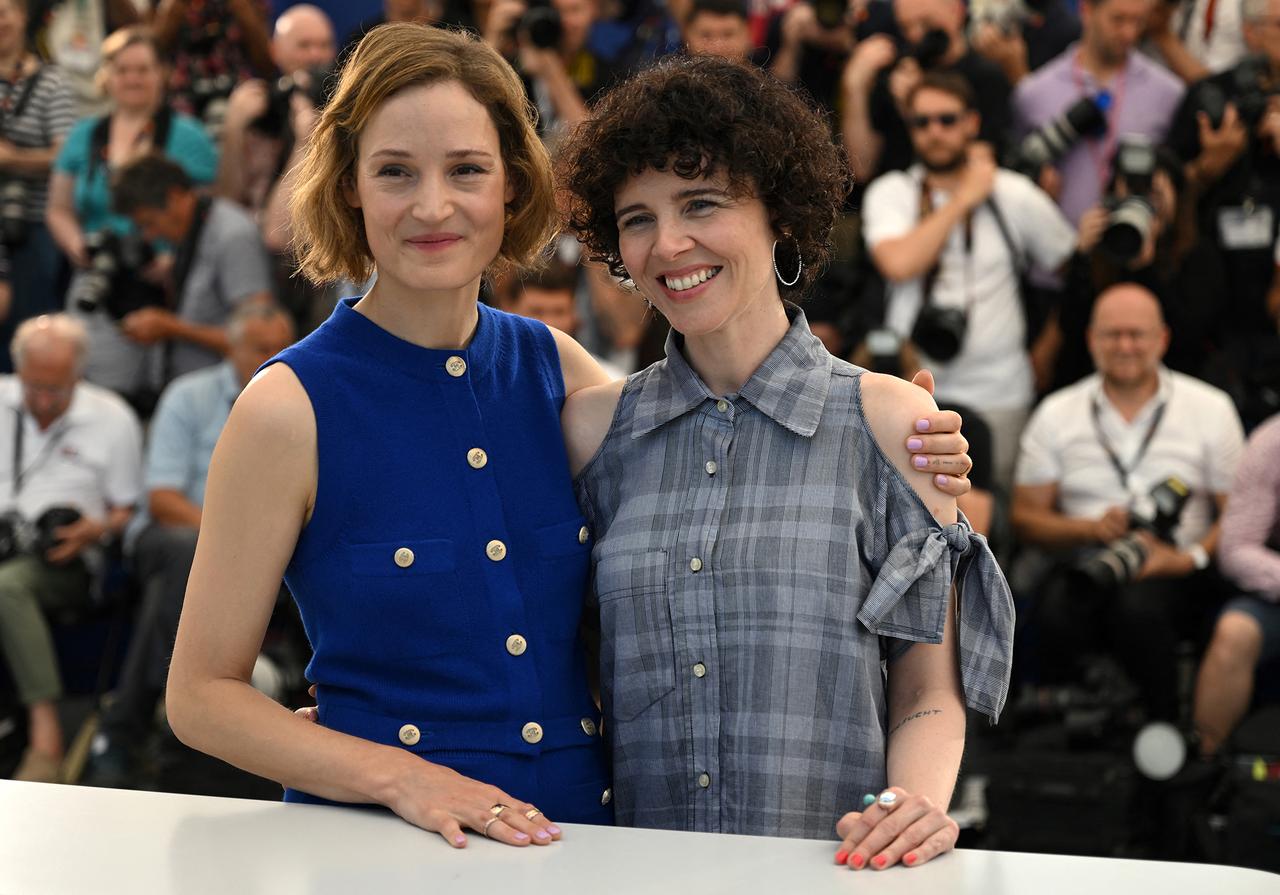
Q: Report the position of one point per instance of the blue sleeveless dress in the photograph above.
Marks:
(442, 574)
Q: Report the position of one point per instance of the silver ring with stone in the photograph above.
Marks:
(888, 799)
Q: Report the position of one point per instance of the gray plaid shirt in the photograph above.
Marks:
(755, 557)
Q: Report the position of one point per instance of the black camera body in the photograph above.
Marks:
(316, 84)
(1046, 144)
(929, 51)
(1250, 94)
(13, 212)
(1120, 561)
(541, 25)
(112, 259)
(21, 537)
(939, 332)
(1131, 218)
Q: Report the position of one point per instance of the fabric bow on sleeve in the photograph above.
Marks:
(908, 601)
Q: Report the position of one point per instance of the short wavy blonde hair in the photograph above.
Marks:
(328, 234)
(116, 43)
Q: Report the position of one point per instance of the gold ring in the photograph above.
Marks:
(532, 813)
(488, 823)
(497, 810)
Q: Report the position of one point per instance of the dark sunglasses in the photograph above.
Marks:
(946, 119)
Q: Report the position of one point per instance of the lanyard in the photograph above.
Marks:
(19, 433)
(1120, 468)
(1101, 154)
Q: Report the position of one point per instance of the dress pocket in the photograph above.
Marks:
(637, 653)
(411, 587)
(564, 558)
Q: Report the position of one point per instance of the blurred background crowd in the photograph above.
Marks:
(1068, 210)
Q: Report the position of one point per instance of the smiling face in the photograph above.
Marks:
(135, 80)
(702, 255)
(431, 186)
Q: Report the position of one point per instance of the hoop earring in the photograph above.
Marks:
(799, 266)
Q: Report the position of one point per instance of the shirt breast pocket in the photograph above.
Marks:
(637, 653)
(412, 586)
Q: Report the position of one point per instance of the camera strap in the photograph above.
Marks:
(9, 110)
(1121, 470)
(19, 435)
(930, 278)
(100, 137)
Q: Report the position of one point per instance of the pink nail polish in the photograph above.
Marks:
(880, 860)
(857, 860)
(914, 444)
(911, 858)
(940, 480)
(922, 425)
(919, 462)
(522, 836)
(841, 857)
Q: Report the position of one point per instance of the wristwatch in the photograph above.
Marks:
(1199, 556)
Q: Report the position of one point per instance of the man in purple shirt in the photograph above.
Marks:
(1143, 97)
(1248, 631)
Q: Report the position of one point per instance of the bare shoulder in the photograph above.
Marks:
(892, 406)
(585, 420)
(579, 368)
(274, 406)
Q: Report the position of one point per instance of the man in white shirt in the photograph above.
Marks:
(68, 445)
(1091, 457)
(954, 233)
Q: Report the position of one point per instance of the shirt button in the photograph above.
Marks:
(496, 551)
(455, 366)
(704, 780)
(516, 645)
(532, 732)
(404, 557)
(583, 534)
(588, 727)
(699, 670)
(606, 797)
(477, 458)
(722, 405)
(409, 735)
(711, 467)
(695, 564)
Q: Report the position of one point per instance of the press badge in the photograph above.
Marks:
(1247, 227)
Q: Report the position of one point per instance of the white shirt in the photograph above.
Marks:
(89, 458)
(1224, 46)
(992, 370)
(1199, 439)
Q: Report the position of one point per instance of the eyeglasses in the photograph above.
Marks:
(946, 119)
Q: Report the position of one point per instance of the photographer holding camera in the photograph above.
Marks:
(35, 114)
(881, 73)
(70, 475)
(1132, 95)
(953, 236)
(1227, 132)
(1121, 476)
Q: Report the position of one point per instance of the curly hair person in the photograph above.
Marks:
(701, 116)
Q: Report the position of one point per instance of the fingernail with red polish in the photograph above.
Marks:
(857, 860)
(879, 860)
(910, 858)
(841, 857)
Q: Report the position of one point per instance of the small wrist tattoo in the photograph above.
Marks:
(923, 714)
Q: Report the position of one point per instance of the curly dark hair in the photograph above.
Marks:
(699, 115)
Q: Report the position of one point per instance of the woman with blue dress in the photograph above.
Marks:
(403, 468)
(780, 637)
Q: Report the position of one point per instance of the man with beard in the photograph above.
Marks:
(952, 234)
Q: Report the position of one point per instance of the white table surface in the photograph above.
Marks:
(56, 839)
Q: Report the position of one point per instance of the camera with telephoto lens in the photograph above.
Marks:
(929, 50)
(1086, 117)
(13, 212)
(1130, 219)
(316, 84)
(1120, 561)
(1250, 93)
(112, 259)
(939, 332)
(541, 25)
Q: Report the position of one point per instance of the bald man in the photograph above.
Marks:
(1091, 455)
(303, 39)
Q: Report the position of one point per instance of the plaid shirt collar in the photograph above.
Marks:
(790, 387)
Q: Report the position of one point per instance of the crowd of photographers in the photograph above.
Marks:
(1068, 210)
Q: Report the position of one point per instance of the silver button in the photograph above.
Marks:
(532, 732)
(409, 735)
(704, 780)
(699, 670)
(516, 645)
(695, 564)
(606, 797)
(722, 405)
(588, 727)
(455, 366)
(711, 467)
(477, 458)
(404, 557)
(496, 551)
(583, 534)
